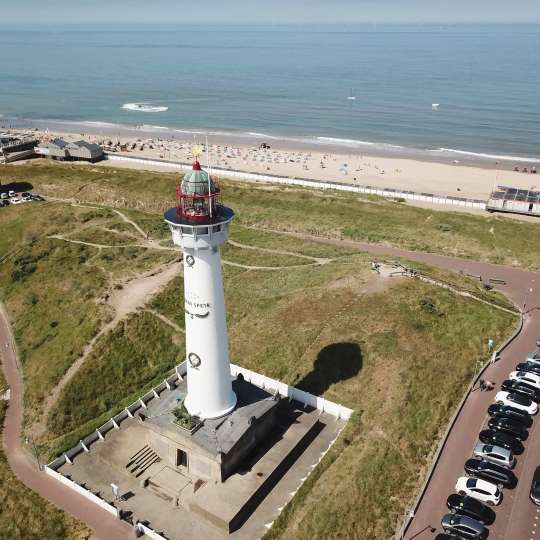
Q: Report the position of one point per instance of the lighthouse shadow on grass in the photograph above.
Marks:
(334, 363)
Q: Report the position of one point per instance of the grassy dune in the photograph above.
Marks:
(55, 290)
(332, 329)
(491, 238)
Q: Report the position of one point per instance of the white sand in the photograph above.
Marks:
(451, 178)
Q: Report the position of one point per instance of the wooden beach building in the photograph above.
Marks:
(61, 150)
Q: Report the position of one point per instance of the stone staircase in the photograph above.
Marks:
(141, 461)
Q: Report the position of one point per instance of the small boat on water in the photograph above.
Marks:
(350, 97)
(435, 106)
(144, 107)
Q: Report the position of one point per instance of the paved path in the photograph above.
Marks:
(104, 526)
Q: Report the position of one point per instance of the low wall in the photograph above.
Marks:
(323, 405)
(429, 198)
(82, 491)
(149, 532)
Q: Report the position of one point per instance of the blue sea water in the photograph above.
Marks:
(288, 81)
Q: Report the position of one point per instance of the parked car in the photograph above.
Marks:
(37, 198)
(500, 438)
(479, 489)
(4, 202)
(534, 358)
(517, 401)
(509, 412)
(467, 506)
(495, 454)
(464, 526)
(508, 425)
(16, 200)
(531, 367)
(11, 193)
(521, 388)
(486, 470)
(535, 487)
(4, 195)
(26, 196)
(527, 377)
(444, 536)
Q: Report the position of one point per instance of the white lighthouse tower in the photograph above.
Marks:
(199, 225)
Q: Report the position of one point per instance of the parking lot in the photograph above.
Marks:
(516, 517)
(10, 197)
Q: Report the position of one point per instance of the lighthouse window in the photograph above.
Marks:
(216, 228)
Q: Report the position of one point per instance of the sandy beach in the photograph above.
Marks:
(468, 178)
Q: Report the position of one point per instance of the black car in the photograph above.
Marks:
(444, 536)
(509, 412)
(469, 506)
(528, 366)
(500, 438)
(491, 472)
(500, 423)
(521, 388)
(535, 487)
(4, 202)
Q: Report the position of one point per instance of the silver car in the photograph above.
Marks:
(495, 454)
(534, 358)
(465, 526)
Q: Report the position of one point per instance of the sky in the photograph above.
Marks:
(47, 12)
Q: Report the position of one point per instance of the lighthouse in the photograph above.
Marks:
(200, 225)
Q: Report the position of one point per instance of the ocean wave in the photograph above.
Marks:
(144, 107)
(334, 140)
(150, 127)
(263, 135)
(487, 156)
(90, 123)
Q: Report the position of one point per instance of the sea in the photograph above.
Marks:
(462, 90)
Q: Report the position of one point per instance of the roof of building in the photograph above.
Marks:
(217, 435)
(515, 194)
(197, 182)
(85, 144)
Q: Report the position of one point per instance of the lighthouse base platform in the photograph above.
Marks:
(225, 478)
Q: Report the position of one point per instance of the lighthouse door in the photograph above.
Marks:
(181, 458)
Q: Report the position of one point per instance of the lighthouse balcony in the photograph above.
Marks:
(200, 234)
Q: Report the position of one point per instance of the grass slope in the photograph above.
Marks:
(490, 238)
(330, 329)
(55, 290)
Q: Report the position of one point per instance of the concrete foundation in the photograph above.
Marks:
(241, 494)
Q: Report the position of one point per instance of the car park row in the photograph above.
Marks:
(10, 197)
(489, 471)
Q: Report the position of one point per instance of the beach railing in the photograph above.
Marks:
(430, 198)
